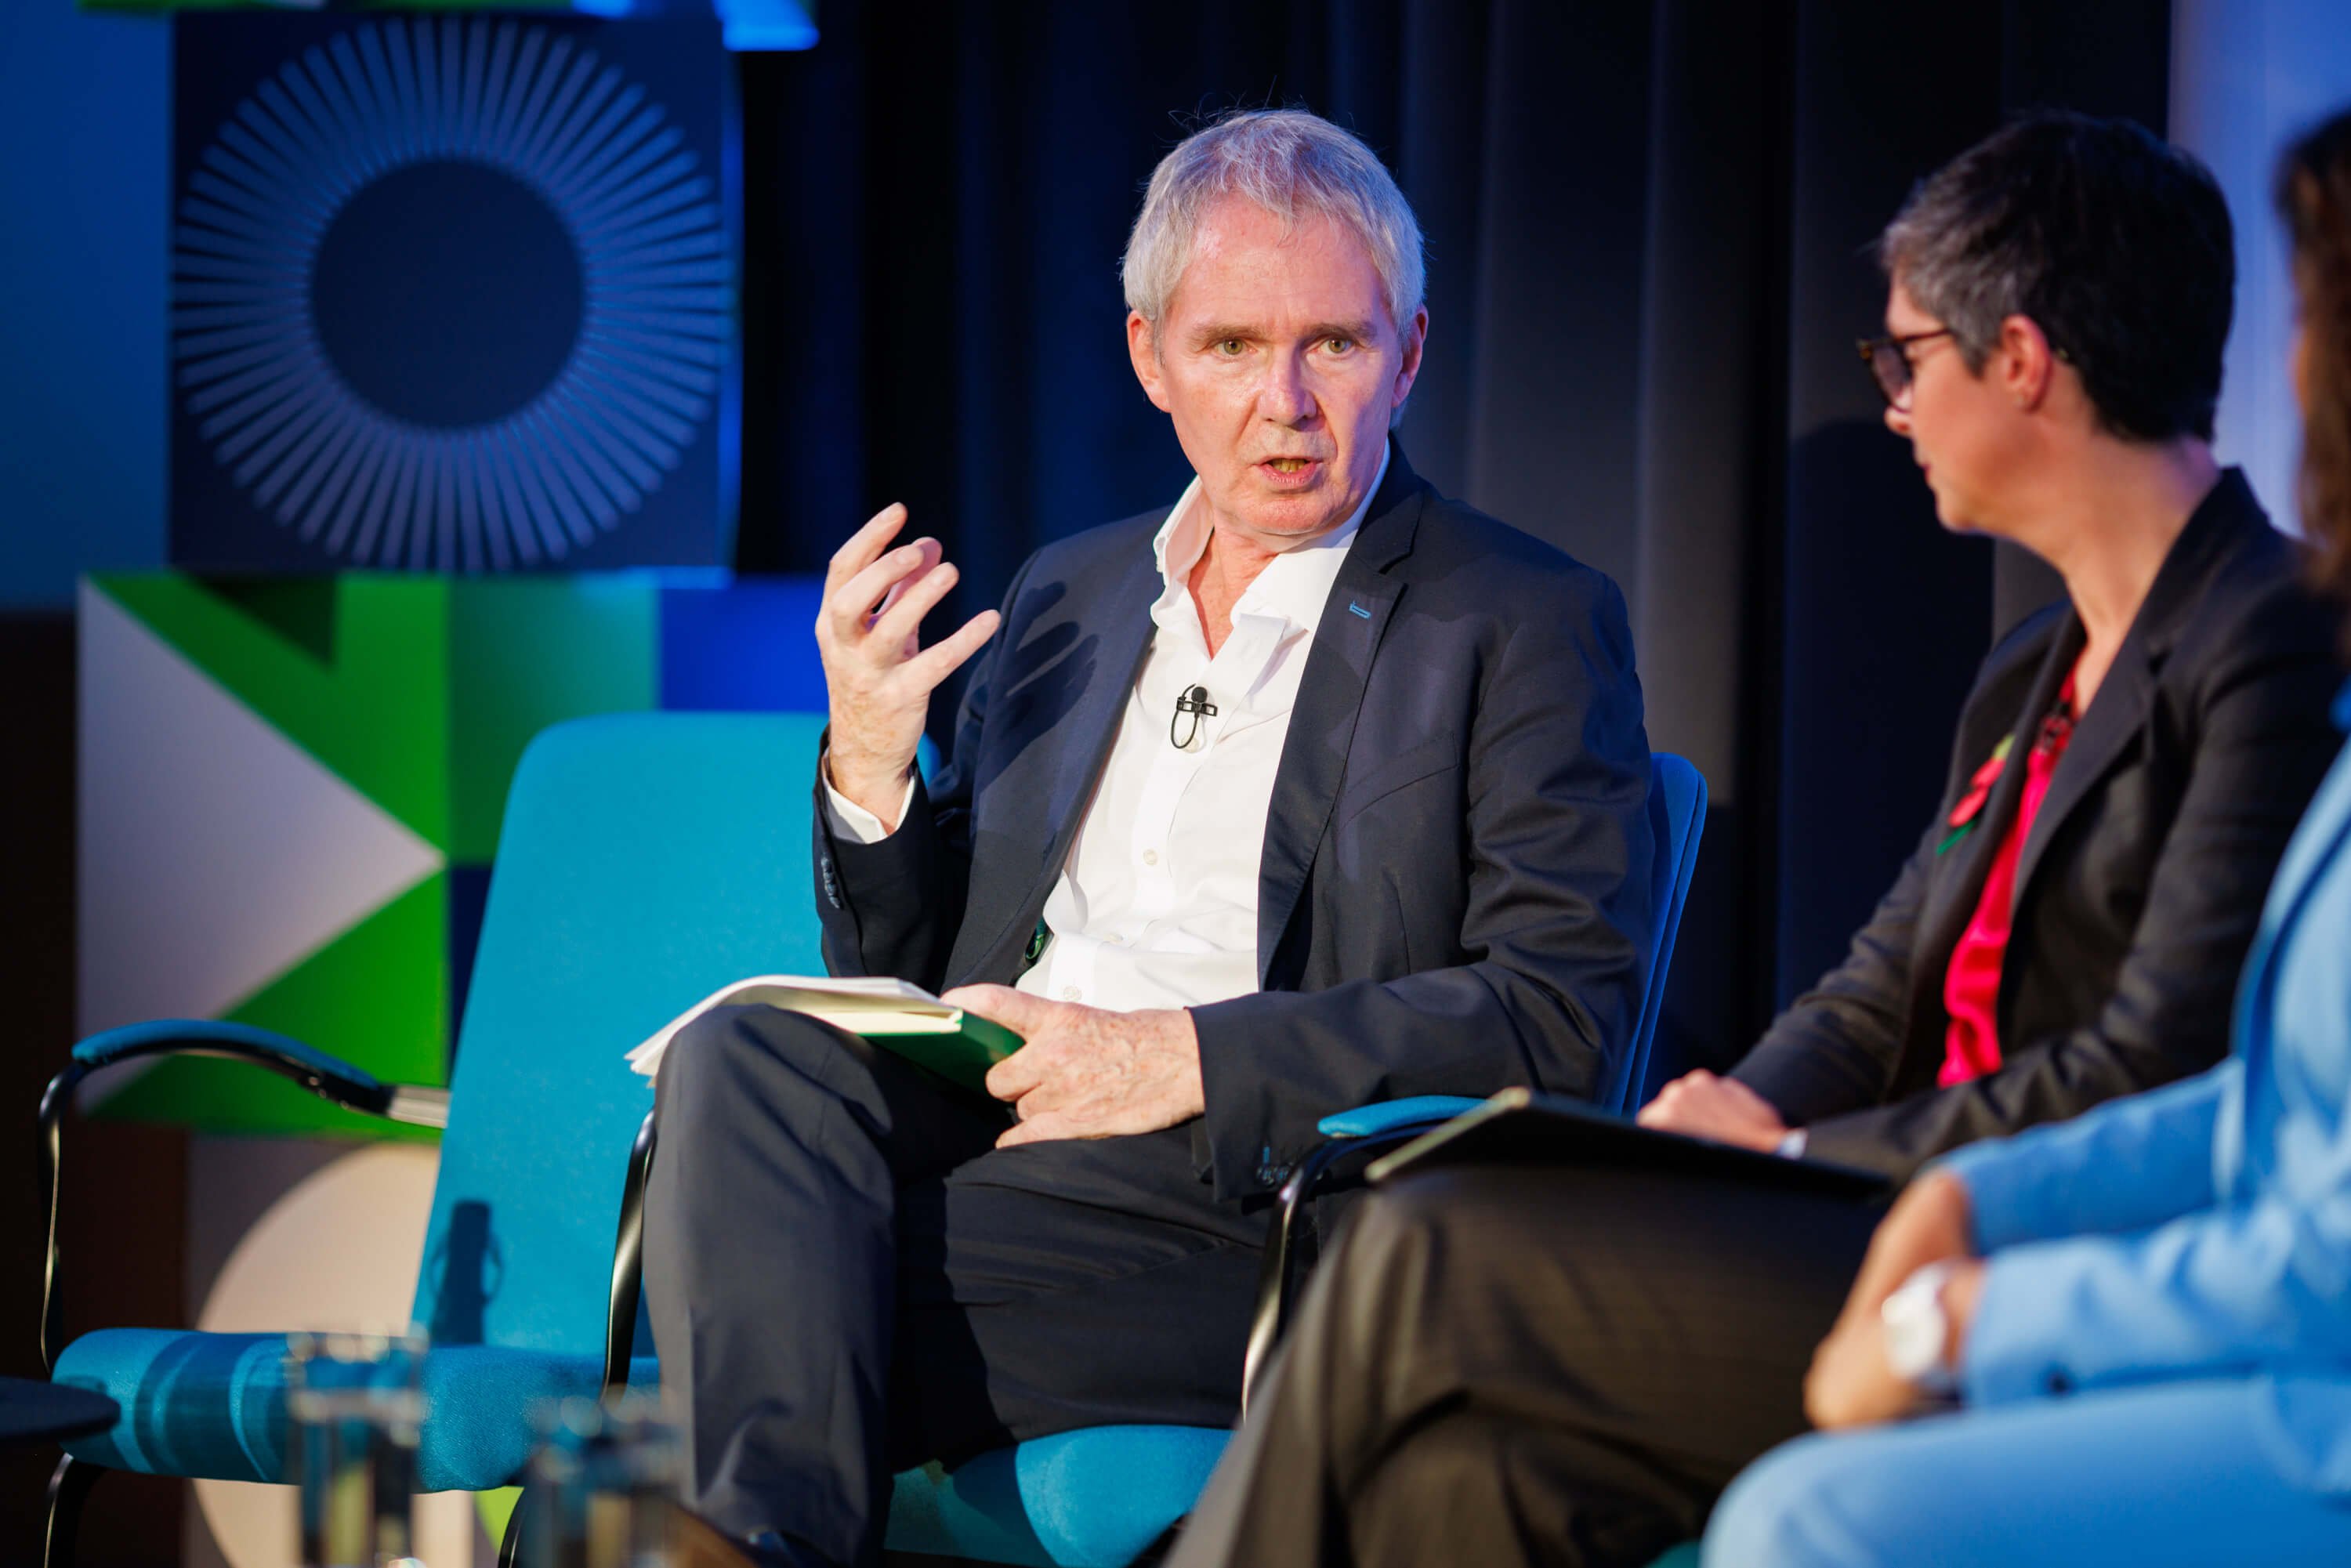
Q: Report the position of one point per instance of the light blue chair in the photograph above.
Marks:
(646, 861)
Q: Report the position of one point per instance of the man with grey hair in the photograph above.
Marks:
(1312, 790)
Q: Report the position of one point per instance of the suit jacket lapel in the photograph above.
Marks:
(1124, 616)
(2115, 715)
(1951, 902)
(1119, 613)
(1329, 698)
(2126, 697)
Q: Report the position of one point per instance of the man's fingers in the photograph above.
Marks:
(1014, 1077)
(1037, 1129)
(860, 548)
(943, 658)
(1015, 1010)
(853, 604)
(914, 598)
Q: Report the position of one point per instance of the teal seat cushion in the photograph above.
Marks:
(1089, 1498)
(214, 1405)
(1682, 1556)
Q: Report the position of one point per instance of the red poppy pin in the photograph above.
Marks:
(1962, 819)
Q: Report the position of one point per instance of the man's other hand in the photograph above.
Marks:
(879, 675)
(1087, 1072)
(1723, 1109)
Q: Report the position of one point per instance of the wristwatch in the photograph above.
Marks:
(1916, 1330)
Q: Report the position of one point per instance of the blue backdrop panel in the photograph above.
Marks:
(749, 646)
(452, 293)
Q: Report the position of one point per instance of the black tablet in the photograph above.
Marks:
(1519, 1126)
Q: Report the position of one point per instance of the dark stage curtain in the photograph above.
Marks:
(1646, 230)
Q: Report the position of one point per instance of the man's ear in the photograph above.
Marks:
(1142, 353)
(2026, 362)
(1414, 338)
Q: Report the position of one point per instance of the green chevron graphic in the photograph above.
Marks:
(377, 997)
(279, 776)
(354, 669)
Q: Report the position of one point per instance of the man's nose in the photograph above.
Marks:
(1283, 396)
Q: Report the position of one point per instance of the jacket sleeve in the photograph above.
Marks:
(1559, 858)
(2223, 1288)
(2126, 1166)
(2263, 742)
(893, 907)
(1836, 1047)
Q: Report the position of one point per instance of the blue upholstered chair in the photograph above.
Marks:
(646, 859)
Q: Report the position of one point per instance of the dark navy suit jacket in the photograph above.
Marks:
(2139, 885)
(1454, 891)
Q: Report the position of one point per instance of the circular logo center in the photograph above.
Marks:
(448, 294)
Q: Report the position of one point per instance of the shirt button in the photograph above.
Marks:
(1070, 993)
(1151, 857)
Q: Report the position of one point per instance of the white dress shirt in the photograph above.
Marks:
(1157, 905)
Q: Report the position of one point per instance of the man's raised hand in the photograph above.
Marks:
(877, 673)
(1089, 1072)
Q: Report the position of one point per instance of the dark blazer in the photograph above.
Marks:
(2138, 886)
(1454, 890)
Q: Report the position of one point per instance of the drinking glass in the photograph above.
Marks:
(602, 1487)
(355, 1405)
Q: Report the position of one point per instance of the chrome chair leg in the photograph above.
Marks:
(510, 1546)
(69, 1485)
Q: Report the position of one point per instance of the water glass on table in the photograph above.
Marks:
(355, 1406)
(602, 1487)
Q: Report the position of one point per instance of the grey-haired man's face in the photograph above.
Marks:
(1278, 359)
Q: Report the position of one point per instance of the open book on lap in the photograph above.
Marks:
(958, 1046)
(1519, 1126)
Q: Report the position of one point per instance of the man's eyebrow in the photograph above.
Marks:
(1217, 332)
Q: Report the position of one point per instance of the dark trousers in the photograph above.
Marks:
(1511, 1366)
(845, 1278)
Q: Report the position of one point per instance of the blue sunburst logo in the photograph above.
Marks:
(450, 295)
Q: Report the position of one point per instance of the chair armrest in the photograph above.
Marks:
(1354, 1137)
(329, 1078)
(1386, 1115)
(628, 1265)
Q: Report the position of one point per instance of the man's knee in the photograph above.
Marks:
(1803, 1505)
(734, 1059)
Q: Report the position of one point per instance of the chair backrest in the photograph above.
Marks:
(1677, 818)
(646, 861)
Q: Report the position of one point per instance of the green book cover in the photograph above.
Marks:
(961, 1047)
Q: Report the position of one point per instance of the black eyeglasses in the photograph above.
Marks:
(1888, 359)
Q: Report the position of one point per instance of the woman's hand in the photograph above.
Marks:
(1850, 1382)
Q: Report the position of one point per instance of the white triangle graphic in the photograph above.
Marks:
(215, 853)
